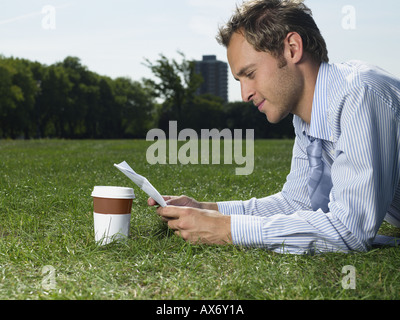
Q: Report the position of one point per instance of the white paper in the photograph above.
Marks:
(141, 182)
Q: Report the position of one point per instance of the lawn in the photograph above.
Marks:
(47, 247)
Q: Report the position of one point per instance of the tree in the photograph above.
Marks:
(53, 101)
(75, 108)
(17, 97)
(205, 112)
(67, 100)
(109, 112)
(25, 108)
(243, 115)
(137, 105)
(177, 85)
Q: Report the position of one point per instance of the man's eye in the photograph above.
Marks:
(250, 75)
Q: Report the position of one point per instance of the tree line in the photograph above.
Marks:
(67, 100)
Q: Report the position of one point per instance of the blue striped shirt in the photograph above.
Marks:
(356, 111)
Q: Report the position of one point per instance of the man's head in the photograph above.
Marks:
(266, 23)
(275, 49)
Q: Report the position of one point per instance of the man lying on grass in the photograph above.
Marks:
(345, 172)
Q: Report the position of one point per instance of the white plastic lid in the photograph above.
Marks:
(113, 192)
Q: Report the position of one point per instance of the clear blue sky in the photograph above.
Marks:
(113, 37)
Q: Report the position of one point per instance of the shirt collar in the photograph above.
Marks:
(319, 126)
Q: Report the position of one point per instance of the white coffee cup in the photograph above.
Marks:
(112, 208)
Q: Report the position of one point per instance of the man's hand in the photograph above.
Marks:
(181, 201)
(198, 225)
(184, 201)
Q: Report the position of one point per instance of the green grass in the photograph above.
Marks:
(46, 220)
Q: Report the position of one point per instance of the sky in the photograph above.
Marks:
(114, 38)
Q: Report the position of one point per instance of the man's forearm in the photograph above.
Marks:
(209, 206)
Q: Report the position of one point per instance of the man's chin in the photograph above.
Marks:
(275, 119)
(272, 119)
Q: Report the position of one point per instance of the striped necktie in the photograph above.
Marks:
(320, 182)
(320, 186)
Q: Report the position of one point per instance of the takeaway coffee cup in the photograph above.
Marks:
(112, 213)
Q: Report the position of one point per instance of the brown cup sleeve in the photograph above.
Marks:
(112, 206)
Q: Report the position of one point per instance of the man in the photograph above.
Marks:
(344, 178)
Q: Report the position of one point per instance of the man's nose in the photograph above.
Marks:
(247, 92)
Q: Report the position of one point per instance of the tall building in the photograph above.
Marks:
(215, 75)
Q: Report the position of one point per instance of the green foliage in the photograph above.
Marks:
(176, 85)
(66, 100)
(17, 97)
(241, 115)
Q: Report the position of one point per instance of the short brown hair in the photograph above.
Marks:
(266, 23)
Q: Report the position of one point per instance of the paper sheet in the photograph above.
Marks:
(141, 182)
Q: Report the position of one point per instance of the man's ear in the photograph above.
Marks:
(294, 47)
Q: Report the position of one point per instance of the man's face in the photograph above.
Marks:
(272, 84)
